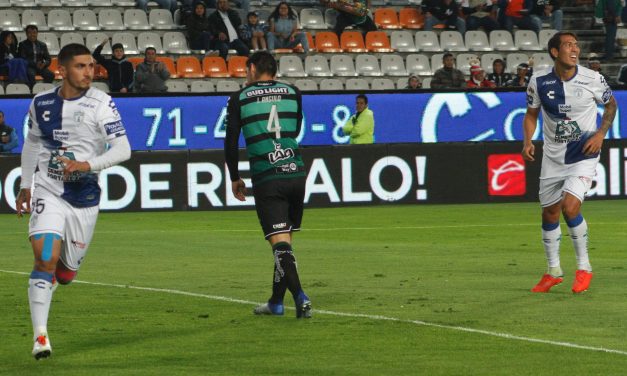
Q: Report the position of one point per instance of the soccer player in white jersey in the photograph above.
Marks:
(69, 127)
(568, 95)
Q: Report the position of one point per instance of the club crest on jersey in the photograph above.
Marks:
(79, 116)
(579, 92)
(280, 154)
(567, 131)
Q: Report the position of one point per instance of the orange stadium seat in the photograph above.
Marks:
(135, 61)
(54, 68)
(214, 66)
(377, 41)
(352, 41)
(169, 63)
(386, 18)
(326, 41)
(312, 46)
(411, 18)
(189, 67)
(237, 66)
(100, 73)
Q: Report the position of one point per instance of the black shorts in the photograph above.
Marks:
(279, 204)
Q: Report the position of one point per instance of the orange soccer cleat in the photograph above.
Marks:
(546, 283)
(582, 281)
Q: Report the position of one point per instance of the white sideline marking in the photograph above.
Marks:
(358, 315)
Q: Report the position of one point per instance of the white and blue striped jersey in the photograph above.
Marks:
(77, 129)
(569, 117)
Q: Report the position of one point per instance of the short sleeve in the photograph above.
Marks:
(110, 121)
(601, 90)
(33, 126)
(533, 99)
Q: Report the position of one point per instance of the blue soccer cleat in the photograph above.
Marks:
(303, 306)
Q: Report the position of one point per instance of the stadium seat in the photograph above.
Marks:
(312, 18)
(541, 60)
(310, 41)
(401, 83)
(214, 66)
(452, 40)
(330, 17)
(74, 3)
(100, 3)
(237, 66)
(100, 73)
(436, 62)
(377, 41)
(342, 65)
(418, 64)
(411, 18)
(318, 66)
(169, 64)
(331, 84)
(427, 41)
(67, 38)
(149, 39)
(174, 42)
(92, 40)
(199, 86)
(41, 86)
(48, 4)
(488, 59)
(367, 65)
(306, 85)
(54, 68)
(136, 60)
(356, 84)
(124, 3)
(23, 3)
(5, 4)
(15, 89)
(544, 36)
(382, 84)
(426, 83)
(1, 90)
(10, 20)
(501, 40)
(51, 40)
(100, 86)
(60, 19)
(136, 19)
(110, 19)
(477, 40)
(189, 67)
(386, 18)
(463, 62)
(161, 19)
(515, 58)
(128, 41)
(176, 86)
(526, 40)
(85, 19)
(352, 41)
(291, 66)
(402, 41)
(327, 41)
(34, 17)
(226, 86)
(393, 65)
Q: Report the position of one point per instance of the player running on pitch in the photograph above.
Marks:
(568, 95)
(270, 115)
(65, 148)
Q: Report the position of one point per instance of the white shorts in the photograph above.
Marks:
(552, 190)
(52, 214)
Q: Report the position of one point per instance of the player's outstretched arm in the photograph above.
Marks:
(529, 127)
(594, 143)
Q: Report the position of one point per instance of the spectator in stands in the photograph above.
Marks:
(609, 11)
(548, 11)
(36, 54)
(442, 12)
(254, 33)
(480, 13)
(351, 13)
(499, 76)
(11, 64)
(448, 76)
(224, 24)
(522, 78)
(595, 64)
(119, 70)
(478, 78)
(170, 5)
(413, 83)
(360, 126)
(151, 75)
(621, 77)
(283, 29)
(517, 13)
(198, 28)
(8, 136)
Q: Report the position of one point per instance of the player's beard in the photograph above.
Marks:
(80, 85)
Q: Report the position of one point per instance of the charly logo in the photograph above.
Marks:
(280, 154)
(567, 131)
(506, 175)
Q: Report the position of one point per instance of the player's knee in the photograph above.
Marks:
(64, 276)
(47, 245)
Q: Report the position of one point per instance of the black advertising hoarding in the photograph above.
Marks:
(338, 176)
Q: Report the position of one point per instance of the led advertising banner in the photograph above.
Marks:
(197, 122)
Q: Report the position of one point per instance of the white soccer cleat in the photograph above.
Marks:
(269, 309)
(42, 348)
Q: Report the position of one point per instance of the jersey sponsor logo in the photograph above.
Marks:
(88, 105)
(506, 175)
(60, 135)
(46, 115)
(567, 131)
(287, 168)
(529, 99)
(266, 91)
(55, 166)
(564, 108)
(45, 103)
(280, 154)
(78, 244)
(549, 82)
(114, 128)
(113, 108)
(551, 94)
(607, 94)
(580, 82)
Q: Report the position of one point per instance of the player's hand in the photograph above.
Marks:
(23, 197)
(528, 152)
(69, 166)
(593, 145)
(239, 189)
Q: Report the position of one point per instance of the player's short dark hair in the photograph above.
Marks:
(148, 49)
(264, 62)
(556, 41)
(31, 27)
(362, 96)
(68, 52)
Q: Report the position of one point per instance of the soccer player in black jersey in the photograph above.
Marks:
(269, 113)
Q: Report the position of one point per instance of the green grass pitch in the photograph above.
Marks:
(396, 290)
